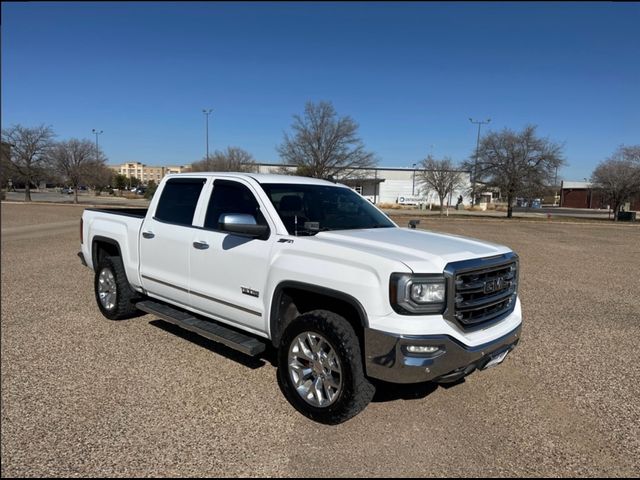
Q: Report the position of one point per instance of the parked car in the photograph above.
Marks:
(312, 268)
(67, 191)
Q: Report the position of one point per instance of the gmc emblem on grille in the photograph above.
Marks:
(495, 285)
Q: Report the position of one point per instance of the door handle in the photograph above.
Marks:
(148, 234)
(201, 245)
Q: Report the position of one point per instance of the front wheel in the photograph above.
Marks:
(320, 368)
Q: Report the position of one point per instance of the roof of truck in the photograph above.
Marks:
(262, 177)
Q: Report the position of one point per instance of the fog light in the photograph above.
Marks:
(422, 349)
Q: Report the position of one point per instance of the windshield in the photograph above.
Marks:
(308, 209)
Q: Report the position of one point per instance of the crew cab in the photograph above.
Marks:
(346, 296)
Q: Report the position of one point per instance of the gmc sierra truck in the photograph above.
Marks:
(346, 296)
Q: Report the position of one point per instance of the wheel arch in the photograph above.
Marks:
(291, 298)
(103, 247)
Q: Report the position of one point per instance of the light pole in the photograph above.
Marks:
(589, 191)
(96, 133)
(413, 185)
(475, 168)
(555, 187)
(206, 114)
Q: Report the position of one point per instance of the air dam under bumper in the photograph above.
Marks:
(388, 357)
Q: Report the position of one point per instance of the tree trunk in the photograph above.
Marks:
(27, 191)
(509, 207)
(75, 194)
(441, 205)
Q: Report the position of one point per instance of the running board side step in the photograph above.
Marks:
(205, 328)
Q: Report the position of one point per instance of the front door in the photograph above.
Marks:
(229, 271)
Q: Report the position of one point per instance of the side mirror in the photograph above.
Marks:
(242, 224)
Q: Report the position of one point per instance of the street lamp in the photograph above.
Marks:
(589, 191)
(413, 185)
(206, 114)
(96, 133)
(475, 168)
(555, 187)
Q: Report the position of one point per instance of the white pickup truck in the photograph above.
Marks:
(346, 296)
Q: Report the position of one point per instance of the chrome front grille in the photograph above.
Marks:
(483, 290)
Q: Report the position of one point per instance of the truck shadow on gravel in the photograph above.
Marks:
(385, 392)
(268, 356)
(390, 392)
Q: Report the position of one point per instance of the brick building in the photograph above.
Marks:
(585, 195)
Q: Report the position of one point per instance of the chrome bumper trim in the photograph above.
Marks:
(386, 357)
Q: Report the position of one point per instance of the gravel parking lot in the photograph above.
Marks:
(85, 396)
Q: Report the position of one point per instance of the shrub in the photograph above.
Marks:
(392, 206)
(151, 190)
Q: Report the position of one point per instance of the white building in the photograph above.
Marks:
(391, 185)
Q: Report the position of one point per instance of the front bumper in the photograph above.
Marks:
(388, 359)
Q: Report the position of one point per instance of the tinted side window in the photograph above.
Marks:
(231, 197)
(179, 200)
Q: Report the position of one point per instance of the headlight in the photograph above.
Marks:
(417, 294)
(427, 292)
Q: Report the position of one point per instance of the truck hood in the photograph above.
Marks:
(422, 251)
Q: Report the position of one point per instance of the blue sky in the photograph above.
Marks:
(410, 74)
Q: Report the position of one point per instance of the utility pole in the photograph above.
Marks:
(206, 114)
(475, 168)
(96, 133)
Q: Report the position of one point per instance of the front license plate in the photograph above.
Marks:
(497, 360)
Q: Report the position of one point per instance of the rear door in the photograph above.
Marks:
(229, 271)
(166, 239)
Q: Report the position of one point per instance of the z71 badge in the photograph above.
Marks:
(248, 291)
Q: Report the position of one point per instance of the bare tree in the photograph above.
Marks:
(618, 177)
(631, 153)
(77, 161)
(233, 159)
(5, 165)
(28, 160)
(323, 145)
(516, 163)
(441, 176)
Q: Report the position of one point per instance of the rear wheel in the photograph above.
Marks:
(320, 368)
(115, 297)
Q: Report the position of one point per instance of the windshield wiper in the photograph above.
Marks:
(312, 231)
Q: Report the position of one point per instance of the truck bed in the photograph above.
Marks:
(129, 212)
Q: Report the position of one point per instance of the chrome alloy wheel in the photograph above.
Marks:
(315, 369)
(107, 289)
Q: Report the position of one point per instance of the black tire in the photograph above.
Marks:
(356, 390)
(125, 297)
